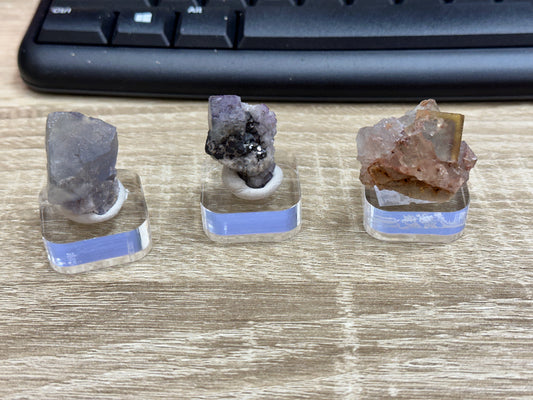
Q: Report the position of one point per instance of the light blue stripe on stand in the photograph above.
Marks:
(96, 249)
(248, 223)
(411, 222)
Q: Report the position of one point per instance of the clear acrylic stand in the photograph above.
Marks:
(228, 219)
(391, 216)
(73, 247)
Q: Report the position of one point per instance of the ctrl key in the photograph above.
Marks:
(66, 25)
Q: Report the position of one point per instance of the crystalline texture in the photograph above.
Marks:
(241, 137)
(81, 155)
(420, 155)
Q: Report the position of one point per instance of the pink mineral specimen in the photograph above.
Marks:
(420, 154)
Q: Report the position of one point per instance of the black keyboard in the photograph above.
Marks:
(340, 50)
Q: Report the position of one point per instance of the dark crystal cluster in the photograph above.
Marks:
(241, 137)
(81, 157)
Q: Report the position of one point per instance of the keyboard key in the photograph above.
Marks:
(179, 4)
(320, 3)
(279, 3)
(106, 5)
(213, 28)
(472, 1)
(372, 3)
(64, 25)
(144, 28)
(421, 2)
(238, 5)
(351, 27)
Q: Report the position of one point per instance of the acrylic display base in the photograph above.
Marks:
(391, 219)
(73, 247)
(228, 219)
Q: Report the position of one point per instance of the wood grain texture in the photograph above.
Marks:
(331, 314)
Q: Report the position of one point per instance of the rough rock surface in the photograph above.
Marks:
(420, 154)
(81, 155)
(241, 137)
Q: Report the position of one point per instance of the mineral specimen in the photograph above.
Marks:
(241, 137)
(81, 154)
(420, 154)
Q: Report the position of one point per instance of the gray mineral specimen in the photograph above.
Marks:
(81, 154)
(241, 137)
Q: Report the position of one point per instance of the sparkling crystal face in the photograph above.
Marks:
(444, 130)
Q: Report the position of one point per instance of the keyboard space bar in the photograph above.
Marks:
(388, 27)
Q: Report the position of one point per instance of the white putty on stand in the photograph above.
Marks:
(239, 188)
(95, 218)
(392, 198)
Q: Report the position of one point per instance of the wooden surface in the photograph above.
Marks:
(331, 314)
